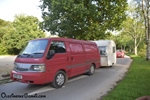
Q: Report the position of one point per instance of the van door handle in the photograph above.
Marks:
(71, 58)
(67, 58)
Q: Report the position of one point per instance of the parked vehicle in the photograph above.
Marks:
(107, 50)
(53, 60)
(120, 54)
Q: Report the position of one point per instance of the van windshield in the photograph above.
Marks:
(34, 49)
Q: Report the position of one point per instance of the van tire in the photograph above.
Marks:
(91, 70)
(59, 80)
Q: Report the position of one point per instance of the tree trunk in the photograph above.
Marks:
(124, 47)
(135, 47)
(130, 49)
(135, 50)
(147, 26)
(148, 50)
(145, 10)
(148, 54)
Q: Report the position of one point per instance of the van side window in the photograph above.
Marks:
(58, 47)
(76, 48)
(114, 50)
(90, 48)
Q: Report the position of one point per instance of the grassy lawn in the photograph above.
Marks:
(6, 80)
(135, 84)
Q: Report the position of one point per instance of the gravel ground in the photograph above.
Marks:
(6, 65)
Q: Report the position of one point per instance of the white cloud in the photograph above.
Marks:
(9, 8)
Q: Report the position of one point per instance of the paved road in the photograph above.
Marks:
(82, 87)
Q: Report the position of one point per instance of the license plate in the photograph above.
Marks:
(17, 76)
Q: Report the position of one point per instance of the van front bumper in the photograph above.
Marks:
(28, 77)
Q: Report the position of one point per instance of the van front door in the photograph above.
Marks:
(58, 60)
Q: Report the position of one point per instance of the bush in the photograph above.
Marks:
(142, 54)
(3, 50)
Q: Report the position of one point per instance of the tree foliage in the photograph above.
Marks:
(82, 19)
(123, 40)
(5, 27)
(134, 28)
(24, 28)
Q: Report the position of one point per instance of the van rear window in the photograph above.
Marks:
(90, 48)
(76, 47)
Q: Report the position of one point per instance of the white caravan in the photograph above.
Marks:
(107, 50)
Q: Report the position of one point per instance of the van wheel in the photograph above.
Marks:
(91, 70)
(59, 80)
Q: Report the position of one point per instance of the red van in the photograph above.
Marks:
(54, 60)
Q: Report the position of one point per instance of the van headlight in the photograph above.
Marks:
(38, 68)
(15, 66)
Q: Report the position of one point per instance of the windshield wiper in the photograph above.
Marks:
(38, 53)
(27, 54)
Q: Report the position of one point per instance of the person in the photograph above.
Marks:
(144, 98)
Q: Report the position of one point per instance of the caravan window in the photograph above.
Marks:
(102, 50)
(114, 49)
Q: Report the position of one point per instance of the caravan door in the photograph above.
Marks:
(104, 57)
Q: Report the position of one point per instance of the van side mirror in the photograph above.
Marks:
(51, 53)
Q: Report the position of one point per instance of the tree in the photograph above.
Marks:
(5, 27)
(82, 19)
(133, 25)
(24, 29)
(135, 29)
(122, 40)
(146, 14)
(109, 36)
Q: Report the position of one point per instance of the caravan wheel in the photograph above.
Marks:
(111, 65)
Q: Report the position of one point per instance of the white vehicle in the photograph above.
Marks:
(107, 50)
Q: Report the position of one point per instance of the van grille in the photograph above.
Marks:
(21, 69)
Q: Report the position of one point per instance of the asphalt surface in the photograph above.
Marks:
(82, 87)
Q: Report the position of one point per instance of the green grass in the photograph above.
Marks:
(6, 80)
(135, 84)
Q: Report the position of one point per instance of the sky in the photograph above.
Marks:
(10, 8)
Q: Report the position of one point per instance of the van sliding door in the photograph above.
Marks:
(77, 57)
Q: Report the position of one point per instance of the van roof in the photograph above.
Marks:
(66, 39)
